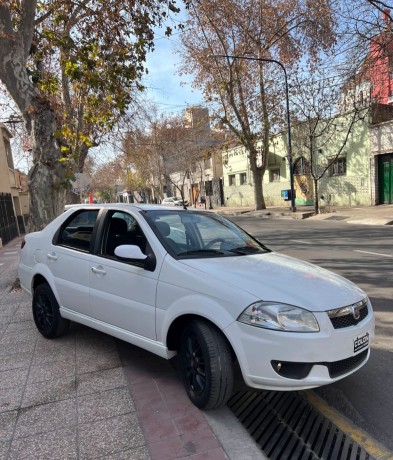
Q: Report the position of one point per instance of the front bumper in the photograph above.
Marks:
(329, 351)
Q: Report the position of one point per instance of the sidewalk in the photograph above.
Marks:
(365, 215)
(89, 396)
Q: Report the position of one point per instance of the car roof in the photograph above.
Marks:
(122, 206)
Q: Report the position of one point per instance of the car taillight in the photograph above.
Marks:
(22, 244)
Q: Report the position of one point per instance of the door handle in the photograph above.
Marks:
(52, 256)
(98, 270)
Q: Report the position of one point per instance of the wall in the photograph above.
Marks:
(238, 180)
(353, 188)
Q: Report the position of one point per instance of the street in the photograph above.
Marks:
(363, 254)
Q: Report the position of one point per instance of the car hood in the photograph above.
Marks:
(281, 278)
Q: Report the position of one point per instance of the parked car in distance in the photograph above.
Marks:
(193, 284)
(174, 201)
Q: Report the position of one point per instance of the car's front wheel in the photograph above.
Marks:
(46, 313)
(206, 365)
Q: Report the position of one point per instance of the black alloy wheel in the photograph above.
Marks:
(46, 313)
(206, 365)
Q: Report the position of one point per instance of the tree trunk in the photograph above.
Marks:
(258, 189)
(316, 196)
(47, 177)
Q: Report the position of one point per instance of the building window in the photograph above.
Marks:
(243, 178)
(339, 167)
(208, 163)
(232, 179)
(274, 175)
(301, 167)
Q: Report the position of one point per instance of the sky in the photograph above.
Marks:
(163, 83)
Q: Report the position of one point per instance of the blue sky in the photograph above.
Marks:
(164, 85)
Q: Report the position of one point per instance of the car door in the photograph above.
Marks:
(68, 258)
(122, 293)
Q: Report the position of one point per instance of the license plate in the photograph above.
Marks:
(361, 342)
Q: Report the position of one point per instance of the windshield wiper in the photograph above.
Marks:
(200, 251)
(246, 250)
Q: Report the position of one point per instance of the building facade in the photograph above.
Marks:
(346, 182)
(14, 201)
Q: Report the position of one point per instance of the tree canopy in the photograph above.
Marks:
(72, 68)
(249, 95)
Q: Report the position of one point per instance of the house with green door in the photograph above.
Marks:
(381, 143)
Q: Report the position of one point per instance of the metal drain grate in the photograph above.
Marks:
(288, 427)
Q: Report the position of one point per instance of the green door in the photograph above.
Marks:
(386, 179)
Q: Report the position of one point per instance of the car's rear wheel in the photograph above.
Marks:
(206, 365)
(46, 313)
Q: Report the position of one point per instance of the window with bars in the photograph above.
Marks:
(232, 179)
(243, 178)
(339, 167)
(301, 167)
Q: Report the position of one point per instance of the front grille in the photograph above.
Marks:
(340, 320)
(338, 368)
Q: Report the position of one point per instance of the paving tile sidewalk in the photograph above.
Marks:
(74, 398)
(60, 399)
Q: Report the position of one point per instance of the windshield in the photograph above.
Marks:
(195, 234)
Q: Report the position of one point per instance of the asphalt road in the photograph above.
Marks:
(363, 254)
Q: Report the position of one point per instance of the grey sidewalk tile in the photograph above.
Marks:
(17, 361)
(66, 341)
(11, 398)
(5, 320)
(139, 453)
(8, 310)
(21, 326)
(105, 404)
(7, 423)
(52, 371)
(29, 335)
(51, 391)
(43, 356)
(4, 449)
(94, 382)
(10, 349)
(95, 346)
(102, 361)
(110, 436)
(12, 378)
(22, 315)
(59, 445)
(47, 417)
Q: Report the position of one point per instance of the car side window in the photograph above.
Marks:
(122, 228)
(174, 233)
(77, 231)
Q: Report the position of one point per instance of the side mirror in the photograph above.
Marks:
(128, 251)
(133, 252)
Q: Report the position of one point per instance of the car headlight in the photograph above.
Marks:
(279, 317)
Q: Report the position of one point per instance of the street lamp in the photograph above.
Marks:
(293, 207)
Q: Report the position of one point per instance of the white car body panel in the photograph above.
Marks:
(280, 278)
(110, 299)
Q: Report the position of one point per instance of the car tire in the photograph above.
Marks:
(46, 313)
(206, 365)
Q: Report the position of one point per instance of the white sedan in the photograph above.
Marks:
(174, 201)
(192, 283)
